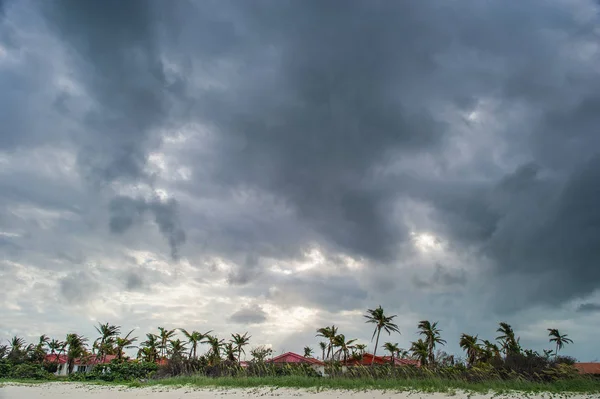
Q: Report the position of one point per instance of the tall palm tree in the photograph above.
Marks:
(432, 338)
(382, 322)
(420, 351)
(105, 343)
(393, 349)
(194, 338)
(339, 341)
(150, 348)
(55, 348)
(510, 344)
(469, 344)
(164, 335)
(215, 348)
(323, 346)
(76, 349)
(329, 333)
(176, 348)
(125, 342)
(308, 351)
(560, 339)
(16, 344)
(230, 351)
(240, 341)
(43, 341)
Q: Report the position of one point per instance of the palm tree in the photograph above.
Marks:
(215, 348)
(55, 347)
(560, 339)
(489, 351)
(469, 344)
(240, 341)
(328, 333)
(432, 338)
(308, 351)
(125, 342)
(43, 341)
(164, 335)
(230, 351)
(420, 351)
(323, 346)
(402, 353)
(16, 344)
(510, 344)
(106, 341)
(194, 338)
(339, 341)
(393, 349)
(361, 348)
(76, 344)
(382, 322)
(150, 347)
(176, 348)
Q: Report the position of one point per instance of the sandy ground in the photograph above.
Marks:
(84, 391)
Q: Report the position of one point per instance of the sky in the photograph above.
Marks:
(278, 166)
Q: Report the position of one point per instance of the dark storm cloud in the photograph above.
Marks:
(117, 59)
(249, 315)
(316, 105)
(443, 277)
(589, 307)
(126, 211)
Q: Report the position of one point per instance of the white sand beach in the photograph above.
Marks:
(86, 391)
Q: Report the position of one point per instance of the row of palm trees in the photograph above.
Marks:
(165, 345)
(337, 347)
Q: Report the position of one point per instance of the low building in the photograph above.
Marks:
(294, 358)
(82, 365)
(368, 359)
(588, 368)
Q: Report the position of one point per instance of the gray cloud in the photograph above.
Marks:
(249, 315)
(288, 126)
(78, 288)
(126, 211)
(589, 307)
(443, 277)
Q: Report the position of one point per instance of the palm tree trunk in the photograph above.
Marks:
(556, 353)
(376, 344)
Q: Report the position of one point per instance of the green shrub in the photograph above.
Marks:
(5, 368)
(122, 371)
(30, 371)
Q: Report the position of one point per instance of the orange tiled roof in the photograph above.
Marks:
(588, 368)
(291, 357)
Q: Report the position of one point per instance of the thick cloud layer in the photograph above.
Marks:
(308, 158)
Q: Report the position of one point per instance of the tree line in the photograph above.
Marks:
(164, 345)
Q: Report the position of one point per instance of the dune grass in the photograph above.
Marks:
(579, 385)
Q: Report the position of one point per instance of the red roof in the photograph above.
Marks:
(62, 359)
(292, 357)
(588, 368)
(367, 360)
(403, 362)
